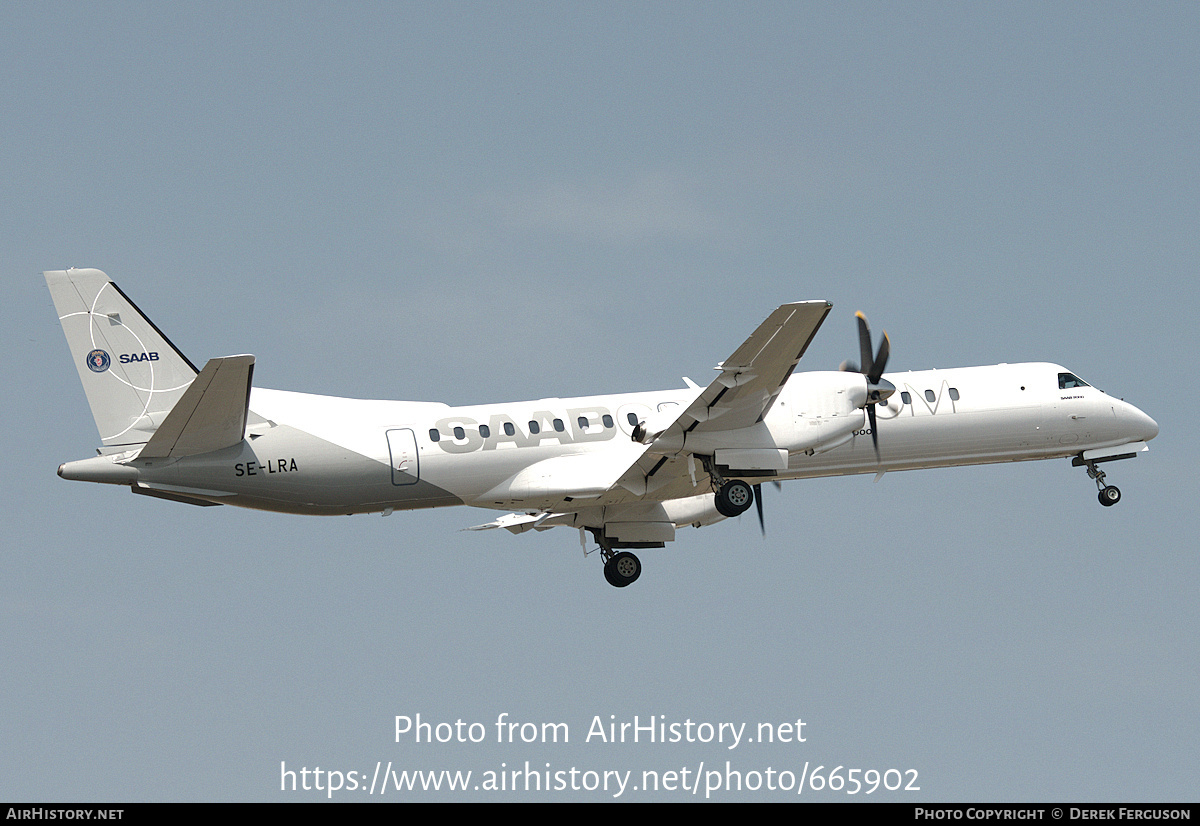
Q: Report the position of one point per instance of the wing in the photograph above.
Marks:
(752, 377)
(749, 382)
(741, 396)
(520, 522)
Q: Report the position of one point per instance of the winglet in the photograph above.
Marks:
(210, 415)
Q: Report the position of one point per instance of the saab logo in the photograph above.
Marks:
(129, 358)
(98, 361)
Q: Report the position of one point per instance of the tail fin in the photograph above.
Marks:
(132, 374)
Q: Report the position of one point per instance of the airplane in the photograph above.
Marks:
(628, 469)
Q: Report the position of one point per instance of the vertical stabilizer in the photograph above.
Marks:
(132, 374)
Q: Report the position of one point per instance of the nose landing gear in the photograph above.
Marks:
(1109, 494)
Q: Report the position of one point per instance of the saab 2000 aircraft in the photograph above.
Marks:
(628, 469)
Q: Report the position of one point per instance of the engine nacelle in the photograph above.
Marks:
(696, 511)
(815, 412)
(819, 411)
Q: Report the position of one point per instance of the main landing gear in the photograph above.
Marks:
(621, 568)
(734, 498)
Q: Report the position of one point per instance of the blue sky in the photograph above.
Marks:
(486, 202)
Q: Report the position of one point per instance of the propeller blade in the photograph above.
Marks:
(758, 504)
(848, 366)
(874, 431)
(885, 350)
(878, 389)
(864, 342)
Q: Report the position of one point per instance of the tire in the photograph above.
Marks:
(609, 575)
(734, 498)
(1110, 496)
(623, 569)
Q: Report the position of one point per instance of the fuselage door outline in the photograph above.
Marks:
(402, 447)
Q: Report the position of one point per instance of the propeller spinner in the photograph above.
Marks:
(879, 389)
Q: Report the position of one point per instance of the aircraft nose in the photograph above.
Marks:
(1141, 427)
(1149, 427)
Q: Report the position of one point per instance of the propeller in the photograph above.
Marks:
(879, 389)
(758, 503)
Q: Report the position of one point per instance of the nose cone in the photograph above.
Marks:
(1147, 426)
(1136, 424)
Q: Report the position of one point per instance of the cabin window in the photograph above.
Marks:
(559, 426)
(583, 423)
(1069, 380)
(533, 427)
(929, 396)
(905, 397)
(954, 393)
(631, 417)
(608, 421)
(509, 429)
(434, 435)
(485, 431)
(459, 433)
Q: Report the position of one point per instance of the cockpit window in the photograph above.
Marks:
(1066, 380)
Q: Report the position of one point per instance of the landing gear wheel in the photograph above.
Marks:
(734, 498)
(1109, 496)
(623, 569)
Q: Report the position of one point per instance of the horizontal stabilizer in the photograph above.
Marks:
(210, 416)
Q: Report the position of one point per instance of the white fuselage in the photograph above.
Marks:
(628, 469)
(320, 454)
